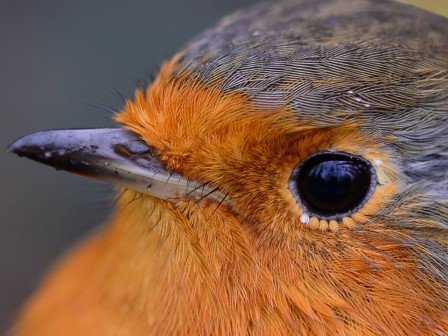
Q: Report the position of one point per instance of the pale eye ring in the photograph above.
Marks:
(332, 185)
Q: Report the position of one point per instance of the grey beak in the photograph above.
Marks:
(113, 155)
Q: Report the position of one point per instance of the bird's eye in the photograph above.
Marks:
(332, 185)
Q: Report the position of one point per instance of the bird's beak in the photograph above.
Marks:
(113, 155)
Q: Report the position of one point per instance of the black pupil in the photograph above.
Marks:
(334, 183)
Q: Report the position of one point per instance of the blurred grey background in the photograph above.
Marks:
(53, 55)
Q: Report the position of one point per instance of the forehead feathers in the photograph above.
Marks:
(326, 60)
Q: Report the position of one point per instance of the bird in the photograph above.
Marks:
(284, 174)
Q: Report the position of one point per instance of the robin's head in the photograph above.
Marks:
(300, 149)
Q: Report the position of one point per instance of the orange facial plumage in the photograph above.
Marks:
(243, 252)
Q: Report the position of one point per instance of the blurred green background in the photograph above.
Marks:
(56, 54)
(436, 6)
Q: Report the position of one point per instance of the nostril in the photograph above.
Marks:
(132, 148)
(139, 153)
